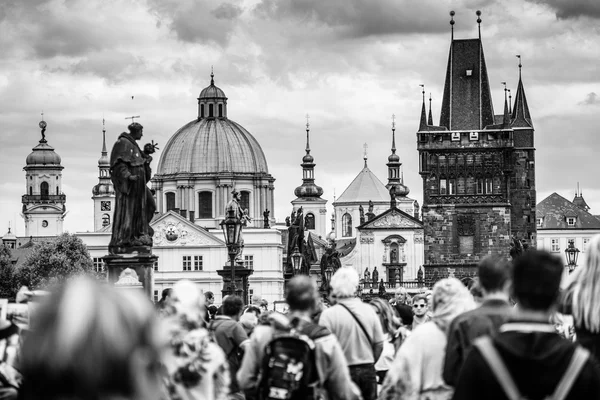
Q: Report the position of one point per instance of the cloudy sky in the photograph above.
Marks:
(350, 64)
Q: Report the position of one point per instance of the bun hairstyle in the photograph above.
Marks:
(86, 334)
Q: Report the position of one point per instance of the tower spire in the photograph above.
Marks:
(506, 118)
(509, 102)
(365, 146)
(423, 121)
(430, 119)
(307, 135)
(308, 189)
(393, 133)
(104, 152)
(520, 113)
(452, 25)
(478, 13)
(212, 76)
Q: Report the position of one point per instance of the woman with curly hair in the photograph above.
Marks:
(416, 372)
(196, 366)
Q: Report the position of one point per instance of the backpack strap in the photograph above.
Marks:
(578, 360)
(491, 356)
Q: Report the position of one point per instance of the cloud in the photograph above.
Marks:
(566, 9)
(590, 99)
(197, 21)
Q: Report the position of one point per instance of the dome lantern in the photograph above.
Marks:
(212, 102)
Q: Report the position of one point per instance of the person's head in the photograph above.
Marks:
(209, 297)
(248, 322)
(405, 313)
(400, 295)
(494, 275)
(476, 292)
(344, 283)
(256, 299)
(264, 304)
(419, 305)
(450, 298)
(232, 306)
(301, 294)
(385, 313)
(536, 280)
(586, 292)
(81, 346)
(166, 293)
(188, 303)
(136, 130)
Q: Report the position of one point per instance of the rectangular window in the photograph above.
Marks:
(98, 264)
(451, 186)
(156, 265)
(466, 244)
(155, 297)
(555, 247)
(249, 262)
(197, 263)
(205, 205)
(489, 186)
(585, 243)
(539, 222)
(187, 263)
(571, 221)
(443, 186)
(170, 200)
(480, 188)
(245, 201)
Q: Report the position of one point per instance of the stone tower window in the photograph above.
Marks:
(211, 111)
(220, 110)
(44, 189)
(170, 200)
(201, 110)
(309, 221)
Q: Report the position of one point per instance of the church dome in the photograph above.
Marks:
(103, 189)
(394, 158)
(212, 145)
(43, 154)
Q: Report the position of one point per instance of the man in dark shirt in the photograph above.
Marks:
(535, 356)
(231, 337)
(494, 278)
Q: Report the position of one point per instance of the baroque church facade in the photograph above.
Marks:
(478, 168)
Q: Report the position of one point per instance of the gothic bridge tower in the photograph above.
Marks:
(478, 168)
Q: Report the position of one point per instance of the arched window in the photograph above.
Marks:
(44, 189)
(205, 205)
(346, 225)
(170, 197)
(309, 221)
(220, 110)
(211, 112)
(57, 191)
(245, 201)
(30, 190)
(105, 220)
(201, 110)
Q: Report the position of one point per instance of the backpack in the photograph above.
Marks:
(289, 371)
(491, 356)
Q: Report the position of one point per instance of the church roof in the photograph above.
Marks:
(366, 186)
(554, 209)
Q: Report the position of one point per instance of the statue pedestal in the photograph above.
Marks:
(241, 281)
(141, 264)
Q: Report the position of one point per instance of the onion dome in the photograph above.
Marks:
(308, 188)
(43, 154)
(104, 186)
(395, 177)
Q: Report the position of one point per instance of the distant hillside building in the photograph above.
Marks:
(478, 169)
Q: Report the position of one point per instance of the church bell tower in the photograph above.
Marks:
(103, 193)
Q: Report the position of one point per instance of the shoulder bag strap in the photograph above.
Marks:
(576, 364)
(491, 356)
(359, 323)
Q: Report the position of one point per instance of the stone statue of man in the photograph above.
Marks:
(134, 206)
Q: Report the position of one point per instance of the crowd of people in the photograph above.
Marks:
(503, 338)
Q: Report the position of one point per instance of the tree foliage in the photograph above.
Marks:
(55, 261)
(7, 274)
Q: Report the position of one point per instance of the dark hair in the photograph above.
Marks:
(232, 306)
(419, 297)
(135, 126)
(209, 295)
(536, 279)
(475, 289)
(166, 292)
(493, 273)
(405, 313)
(301, 293)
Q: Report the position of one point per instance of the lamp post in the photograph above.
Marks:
(296, 261)
(572, 253)
(232, 230)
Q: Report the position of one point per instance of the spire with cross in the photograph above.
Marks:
(365, 146)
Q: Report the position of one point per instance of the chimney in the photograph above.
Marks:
(192, 219)
(183, 213)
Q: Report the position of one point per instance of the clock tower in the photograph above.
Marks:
(43, 202)
(103, 193)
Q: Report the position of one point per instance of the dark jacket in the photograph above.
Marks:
(467, 327)
(537, 359)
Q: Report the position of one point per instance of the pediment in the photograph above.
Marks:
(393, 219)
(171, 229)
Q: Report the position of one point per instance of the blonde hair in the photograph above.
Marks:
(586, 289)
(86, 334)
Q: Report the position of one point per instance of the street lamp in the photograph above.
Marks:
(232, 230)
(328, 273)
(572, 253)
(296, 260)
